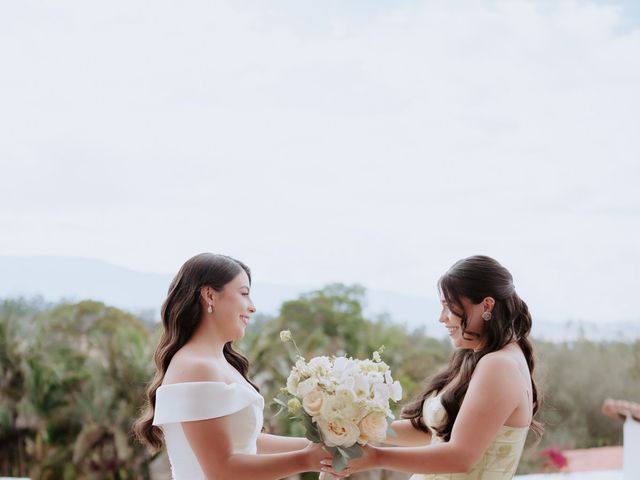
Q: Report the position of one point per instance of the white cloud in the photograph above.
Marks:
(330, 141)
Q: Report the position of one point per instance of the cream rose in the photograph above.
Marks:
(373, 428)
(338, 433)
(312, 403)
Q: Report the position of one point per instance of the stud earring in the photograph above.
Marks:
(209, 309)
(486, 316)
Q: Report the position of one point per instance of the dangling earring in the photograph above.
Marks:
(209, 309)
(486, 316)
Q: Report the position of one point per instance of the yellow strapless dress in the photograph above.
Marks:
(499, 462)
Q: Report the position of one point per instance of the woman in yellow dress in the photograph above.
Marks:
(473, 417)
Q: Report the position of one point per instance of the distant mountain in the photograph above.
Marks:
(73, 279)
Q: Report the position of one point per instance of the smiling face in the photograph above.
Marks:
(451, 318)
(233, 307)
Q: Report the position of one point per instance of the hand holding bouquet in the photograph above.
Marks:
(343, 402)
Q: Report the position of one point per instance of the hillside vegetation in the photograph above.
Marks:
(73, 378)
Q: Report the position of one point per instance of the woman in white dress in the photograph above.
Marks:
(472, 419)
(201, 399)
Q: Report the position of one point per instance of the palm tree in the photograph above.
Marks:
(12, 385)
(72, 387)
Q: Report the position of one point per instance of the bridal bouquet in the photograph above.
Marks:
(342, 402)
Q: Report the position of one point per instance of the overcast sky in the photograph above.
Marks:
(354, 141)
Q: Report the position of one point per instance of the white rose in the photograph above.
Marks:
(373, 428)
(312, 403)
(339, 433)
(322, 362)
(340, 406)
(306, 387)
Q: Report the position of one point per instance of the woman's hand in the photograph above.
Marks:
(316, 455)
(367, 461)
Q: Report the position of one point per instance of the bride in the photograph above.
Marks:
(201, 399)
(472, 419)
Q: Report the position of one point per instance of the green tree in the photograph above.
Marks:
(15, 325)
(82, 372)
(73, 377)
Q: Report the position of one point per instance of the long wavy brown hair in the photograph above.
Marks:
(181, 314)
(476, 278)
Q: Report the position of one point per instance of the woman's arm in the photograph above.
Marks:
(406, 435)
(492, 397)
(211, 442)
(276, 444)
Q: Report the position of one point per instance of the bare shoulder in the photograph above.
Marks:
(189, 366)
(494, 382)
(497, 364)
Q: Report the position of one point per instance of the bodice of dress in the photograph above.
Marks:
(499, 462)
(186, 402)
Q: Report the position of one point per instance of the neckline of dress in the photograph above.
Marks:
(247, 387)
(526, 427)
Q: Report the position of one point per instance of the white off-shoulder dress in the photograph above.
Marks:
(187, 402)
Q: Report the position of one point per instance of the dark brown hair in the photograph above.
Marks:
(476, 278)
(181, 314)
